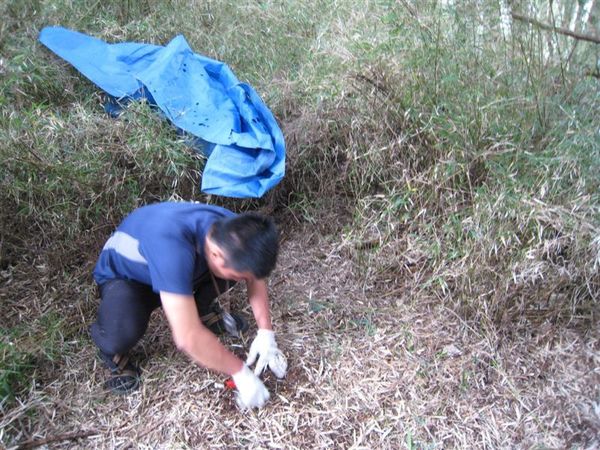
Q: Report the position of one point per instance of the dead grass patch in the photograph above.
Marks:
(366, 371)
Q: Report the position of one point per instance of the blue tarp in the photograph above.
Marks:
(201, 96)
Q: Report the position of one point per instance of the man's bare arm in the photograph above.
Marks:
(193, 338)
(258, 298)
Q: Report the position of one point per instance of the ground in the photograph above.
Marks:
(366, 370)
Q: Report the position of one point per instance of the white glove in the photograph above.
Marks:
(265, 347)
(252, 393)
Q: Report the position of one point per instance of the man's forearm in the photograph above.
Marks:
(193, 338)
(258, 298)
(204, 348)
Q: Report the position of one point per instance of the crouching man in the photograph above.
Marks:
(181, 256)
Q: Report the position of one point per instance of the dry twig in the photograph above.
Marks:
(564, 31)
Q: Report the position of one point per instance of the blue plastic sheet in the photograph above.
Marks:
(201, 96)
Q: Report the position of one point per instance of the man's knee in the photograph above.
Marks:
(123, 315)
(116, 340)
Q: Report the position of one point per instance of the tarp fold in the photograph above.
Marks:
(199, 95)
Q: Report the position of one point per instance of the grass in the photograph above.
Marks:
(25, 354)
(16, 368)
(441, 192)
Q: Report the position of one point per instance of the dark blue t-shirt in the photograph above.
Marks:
(161, 245)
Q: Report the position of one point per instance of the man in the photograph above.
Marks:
(179, 256)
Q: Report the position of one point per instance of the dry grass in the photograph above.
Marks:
(367, 370)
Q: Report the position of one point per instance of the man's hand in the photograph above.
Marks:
(252, 393)
(265, 348)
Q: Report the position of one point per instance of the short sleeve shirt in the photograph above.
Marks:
(160, 245)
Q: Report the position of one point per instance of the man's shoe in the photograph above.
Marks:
(124, 376)
(221, 322)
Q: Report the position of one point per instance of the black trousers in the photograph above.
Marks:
(125, 308)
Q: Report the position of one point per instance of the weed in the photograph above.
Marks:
(23, 354)
(15, 370)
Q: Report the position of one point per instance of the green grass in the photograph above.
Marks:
(26, 349)
(15, 370)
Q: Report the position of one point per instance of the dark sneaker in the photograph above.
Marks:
(124, 375)
(221, 322)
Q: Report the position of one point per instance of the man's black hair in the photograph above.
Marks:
(250, 242)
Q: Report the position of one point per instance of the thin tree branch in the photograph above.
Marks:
(62, 437)
(545, 26)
